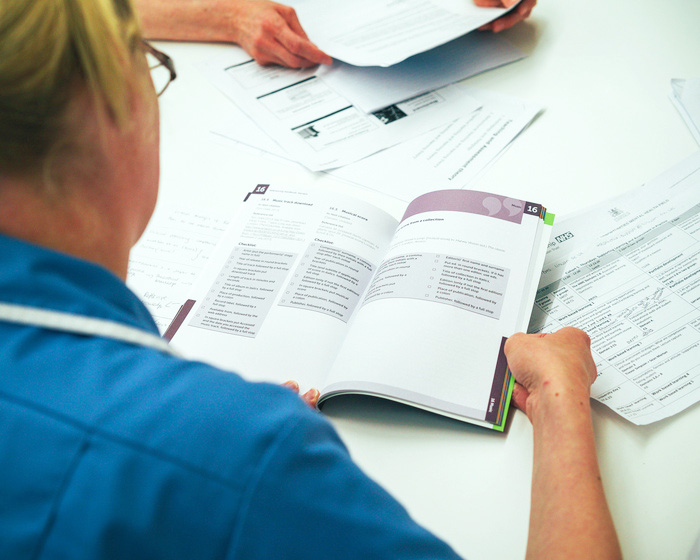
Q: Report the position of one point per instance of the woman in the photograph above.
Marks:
(111, 445)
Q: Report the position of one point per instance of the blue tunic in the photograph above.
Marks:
(113, 450)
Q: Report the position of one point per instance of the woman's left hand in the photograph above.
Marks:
(310, 397)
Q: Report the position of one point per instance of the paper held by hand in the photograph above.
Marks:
(385, 32)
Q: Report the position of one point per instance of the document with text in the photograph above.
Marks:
(627, 271)
(448, 157)
(339, 295)
(170, 255)
(385, 32)
(316, 125)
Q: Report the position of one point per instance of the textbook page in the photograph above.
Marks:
(431, 328)
(627, 271)
(275, 300)
(385, 32)
(313, 123)
(685, 95)
(171, 253)
(370, 87)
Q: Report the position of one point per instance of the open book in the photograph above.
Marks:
(337, 294)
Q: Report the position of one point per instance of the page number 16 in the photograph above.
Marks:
(533, 209)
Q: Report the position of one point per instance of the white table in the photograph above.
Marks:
(602, 70)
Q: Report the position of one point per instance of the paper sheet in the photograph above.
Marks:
(385, 32)
(449, 157)
(170, 255)
(371, 88)
(685, 95)
(627, 271)
(317, 126)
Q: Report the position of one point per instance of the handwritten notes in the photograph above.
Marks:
(170, 255)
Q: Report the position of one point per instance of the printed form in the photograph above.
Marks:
(627, 272)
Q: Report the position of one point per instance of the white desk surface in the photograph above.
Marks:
(602, 72)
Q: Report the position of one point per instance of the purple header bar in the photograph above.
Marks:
(472, 202)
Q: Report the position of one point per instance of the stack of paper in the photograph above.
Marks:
(329, 117)
(316, 125)
(392, 113)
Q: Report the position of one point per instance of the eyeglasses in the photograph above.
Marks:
(161, 66)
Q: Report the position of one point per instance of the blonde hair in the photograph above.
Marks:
(47, 48)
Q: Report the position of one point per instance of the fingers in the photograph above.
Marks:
(521, 12)
(276, 37)
(495, 3)
(293, 38)
(519, 397)
(290, 16)
(310, 397)
(562, 358)
(293, 385)
(297, 52)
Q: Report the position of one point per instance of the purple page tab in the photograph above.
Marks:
(499, 388)
(179, 319)
(472, 202)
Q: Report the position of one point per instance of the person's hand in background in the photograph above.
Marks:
(517, 14)
(269, 32)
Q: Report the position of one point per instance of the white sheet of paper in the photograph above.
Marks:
(452, 156)
(317, 126)
(449, 157)
(385, 32)
(685, 95)
(171, 253)
(371, 88)
(627, 271)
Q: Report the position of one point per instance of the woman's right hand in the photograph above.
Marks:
(550, 366)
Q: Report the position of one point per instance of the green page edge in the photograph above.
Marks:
(548, 220)
(511, 383)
